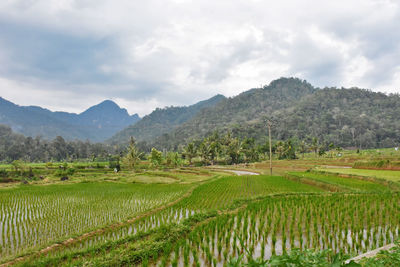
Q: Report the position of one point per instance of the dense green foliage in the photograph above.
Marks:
(385, 258)
(345, 117)
(296, 258)
(162, 121)
(18, 147)
(239, 113)
(97, 123)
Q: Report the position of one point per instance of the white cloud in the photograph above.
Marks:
(156, 53)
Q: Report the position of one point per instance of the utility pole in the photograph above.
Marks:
(270, 146)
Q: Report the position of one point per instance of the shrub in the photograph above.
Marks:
(3, 173)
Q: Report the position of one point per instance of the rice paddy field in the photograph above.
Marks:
(337, 183)
(381, 174)
(33, 216)
(199, 216)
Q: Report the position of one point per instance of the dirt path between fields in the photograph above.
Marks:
(370, 254)
(71, 241)
(336, 167)
(240, 173)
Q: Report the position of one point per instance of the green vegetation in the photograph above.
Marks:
(155, 211)
(339, 183)
(380, 174)
(377, 164)
(33, 216)
(162, 121)
(168, 200)
(357, 118)
(221, 193)
(274, 225)
(297, 258)
(384, 258)
(15, 146)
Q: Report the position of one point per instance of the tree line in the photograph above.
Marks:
(225, 149)
(217, 148)
(15, 146)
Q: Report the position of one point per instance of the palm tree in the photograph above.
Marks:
(190, 152)
(303, 148)
(133, 156)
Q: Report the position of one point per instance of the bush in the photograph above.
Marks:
(380, 164)
(80, 166)
(99, 166)
(4, 173)
(62, 172)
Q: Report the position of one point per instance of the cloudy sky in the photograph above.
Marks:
(71, 54)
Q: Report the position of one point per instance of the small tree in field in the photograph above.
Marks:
(155, 157)
(173, 159)
(132, 159)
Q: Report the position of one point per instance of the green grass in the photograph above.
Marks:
(393, 176)
(345, 184)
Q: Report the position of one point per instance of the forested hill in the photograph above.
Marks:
(96, 123)
(346, 117)
(162, 121)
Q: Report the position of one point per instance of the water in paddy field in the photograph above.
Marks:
(167, 216)
(35, 219)
(210, 250)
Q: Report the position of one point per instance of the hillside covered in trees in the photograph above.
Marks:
(97, 123)
(163, 120)
(308, 116)
(345, 117)
(14, 146)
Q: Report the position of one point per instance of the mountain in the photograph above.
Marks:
(163, 121)
(240, 111)
(346, 117)
(96, 123)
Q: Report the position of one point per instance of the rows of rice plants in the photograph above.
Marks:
(349, 223)
(217, 194)
(389, 175)
(345, 184)
(34, 216)
(223, 192)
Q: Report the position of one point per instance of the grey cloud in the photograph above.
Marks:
(177, 52)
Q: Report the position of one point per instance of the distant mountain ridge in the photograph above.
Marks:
(97, 123)
(345, 117)
(162, 121)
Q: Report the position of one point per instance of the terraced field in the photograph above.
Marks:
(207, 222)
(340, 183)
(33, 216)
(222, 192)
(349, 223)
(393, 176)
